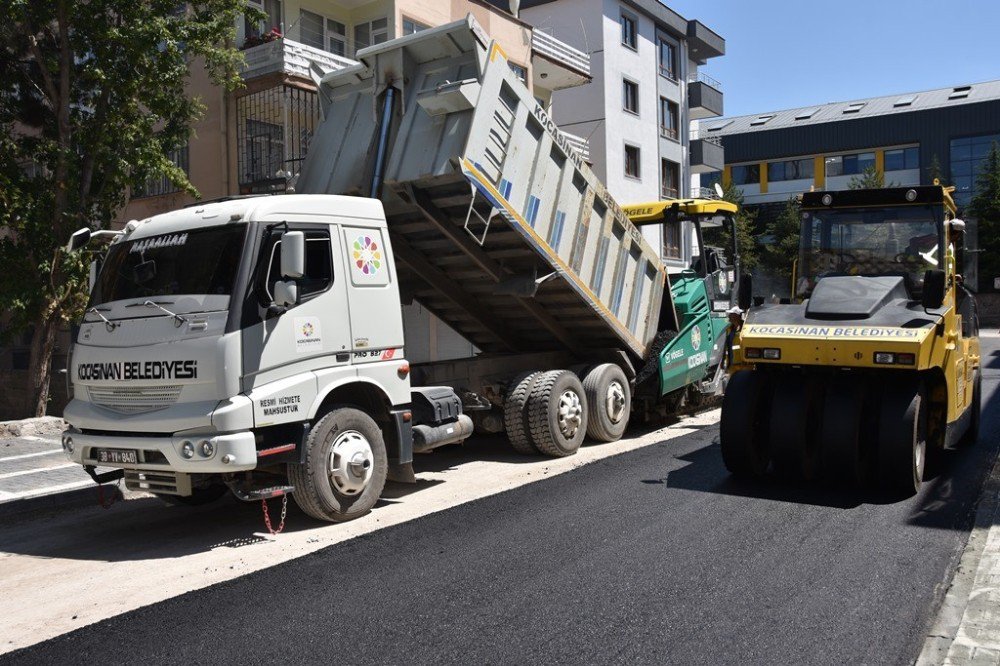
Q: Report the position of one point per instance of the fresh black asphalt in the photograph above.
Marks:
(654, 556)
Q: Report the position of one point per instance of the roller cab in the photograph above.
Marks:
(878, 358)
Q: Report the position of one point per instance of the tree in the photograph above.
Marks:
(934, 170)
(92, 101)
(783, 247)
(869, 179)
(985, 209)
(745, 220)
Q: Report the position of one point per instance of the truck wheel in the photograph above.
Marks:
(515, 413)
(841, 441)
(794, 417)
(971, 435)
(609, 402)
(557, 413)
(902, 447)
(198, 496)
(743, 433)
(345, 467)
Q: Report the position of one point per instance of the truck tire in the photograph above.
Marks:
(515, 413)
(795, 414)
(843, 445)
(971, 435)
(609, 402)
(557, 413)
(345, 466)
(198, 496)
(743, 433)
(902, 437)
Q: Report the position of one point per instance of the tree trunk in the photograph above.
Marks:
(43, 344)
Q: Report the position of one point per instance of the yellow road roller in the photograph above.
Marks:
(877, 358)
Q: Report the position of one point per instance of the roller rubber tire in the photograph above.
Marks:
(596, 383)
(198, 497)
(515, 413)
(543, 413)
(314, 492)
(794, 416)
(743, 433)
(902, 437)
(842, 441)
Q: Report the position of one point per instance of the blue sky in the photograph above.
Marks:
(788, 53)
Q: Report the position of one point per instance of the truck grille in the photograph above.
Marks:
(134, 400)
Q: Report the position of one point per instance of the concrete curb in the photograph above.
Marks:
(45, 425)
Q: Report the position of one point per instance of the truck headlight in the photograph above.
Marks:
(207, 448)
(187, 450)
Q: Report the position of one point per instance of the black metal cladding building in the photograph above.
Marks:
(768, 154)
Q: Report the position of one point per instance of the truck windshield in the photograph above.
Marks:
(198, 262)
(900, 240)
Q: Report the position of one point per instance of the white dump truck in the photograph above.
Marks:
(257, 344)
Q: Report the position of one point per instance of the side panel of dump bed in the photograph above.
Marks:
(498, 225)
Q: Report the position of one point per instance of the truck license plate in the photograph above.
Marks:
(118, 456)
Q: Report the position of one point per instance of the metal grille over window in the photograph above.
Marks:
(162, 185)
(273, 131)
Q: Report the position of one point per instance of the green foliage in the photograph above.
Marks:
(778, 254)
(985, 209)
(934, 170)
(745, 220)
(92, 100)
(869, 179)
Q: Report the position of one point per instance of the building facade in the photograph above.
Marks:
(909, 137)
(646, 97)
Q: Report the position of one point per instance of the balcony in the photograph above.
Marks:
(581, 145)
(703, 42)
(556, 64)
(704, 97)
(285, 56)
(707, 154)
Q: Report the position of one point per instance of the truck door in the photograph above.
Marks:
(315, 333)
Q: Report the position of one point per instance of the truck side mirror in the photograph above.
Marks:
(934, 288)
(78, 240)
(745, 297)
(286, 294)
(293, 254)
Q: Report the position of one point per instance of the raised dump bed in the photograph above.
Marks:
(498, 225)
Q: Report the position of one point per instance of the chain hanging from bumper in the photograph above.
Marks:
(267, 516)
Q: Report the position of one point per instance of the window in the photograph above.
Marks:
(905, 101)
(849, 165)
(319, 267)
(790, 170)
(370, 33)
(961, 92)
(630, 96)
(629, 37)
(806, 114)
(672, 239)
(903, 158)
(273, 10)
(632, 161)
(967, 157)
(519, 71)
(746, 174)
(760, 120)
(162, 185)
(717, 128)
(410, 26)
(669, 118)
(854, 107)
(668, 59)
(670, 178)
(322, 33)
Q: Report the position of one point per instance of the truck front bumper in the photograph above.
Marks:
(232, 452)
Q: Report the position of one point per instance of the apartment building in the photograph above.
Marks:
(646, 98)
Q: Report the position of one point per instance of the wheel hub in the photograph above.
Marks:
(614, 402)
(351, 462)
(570, 413)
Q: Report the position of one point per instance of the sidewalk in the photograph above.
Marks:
(967, 629)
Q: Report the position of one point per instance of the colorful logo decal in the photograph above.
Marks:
(308, 330)
(696, 337)
(367, 255)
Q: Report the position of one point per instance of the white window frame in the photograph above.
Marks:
(418, 26)
(372, 33)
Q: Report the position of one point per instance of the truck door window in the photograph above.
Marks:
(319, 266)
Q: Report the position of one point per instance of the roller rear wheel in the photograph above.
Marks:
(842, 442)
(795, 412)
(743, 433)
(902, 450)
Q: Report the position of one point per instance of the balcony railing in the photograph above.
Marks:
(560, 51)
(290, 57)
(704, 193)
(581, 145)
(706, 79)
(668, 132)
(713, 139)
(667, 192)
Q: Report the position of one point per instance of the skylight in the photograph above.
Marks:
(905, 101)
(719, 127)
(960, 92)
(806, 113)
(854, 107)
(760, 120)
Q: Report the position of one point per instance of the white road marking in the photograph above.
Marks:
(31, 455)
(36, 470)
(37, 492)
